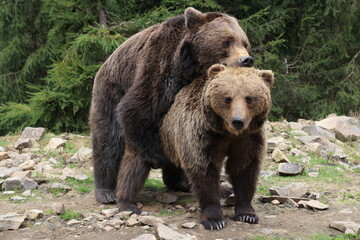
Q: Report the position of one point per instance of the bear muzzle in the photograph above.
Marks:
(238, 123)
(246, 61)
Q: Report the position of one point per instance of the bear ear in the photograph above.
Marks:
(215, 70)
(267, 76)
(193, 18)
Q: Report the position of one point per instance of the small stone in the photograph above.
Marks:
(59, 208)
(11, 221)
(34, 214)
(81, 177)
(3, 155)
(132, 222)
(55, 143)
(313, 174)
(108, 228)
(53, 161)
(98, 217)
(276, 142)
(23, 143)
(166, 233)
(21, 174)
(8, 192)
(346, 211)
(116, 223)
(67, 172)
(189, 225)
(150, 220)
(316, 205)
(278, 156)
(123, 214)
(28, 165)
(18, 198)
(349, 231)
(60, 186)
(19, 183)
(27, 193)
(290, 169)
(145, 237)
(6, 172)
(109, 212)
(73, 222)
(193, 209)
(302, 204)
(275, 202)
(297, 189)
(166, 198)
(296, 152)
(34, 133)
(291, 203)
(343, 225)
(319, 131)
(84, 154)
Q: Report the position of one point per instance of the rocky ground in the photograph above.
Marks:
(309, 188)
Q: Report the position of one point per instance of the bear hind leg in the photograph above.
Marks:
(174, 178)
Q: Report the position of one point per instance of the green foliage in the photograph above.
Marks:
(70, 214)
(51, 50)
(84, 186)
(154, 185)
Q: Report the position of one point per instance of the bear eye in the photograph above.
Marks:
(228, 100)
(249, 99)
(226, 44)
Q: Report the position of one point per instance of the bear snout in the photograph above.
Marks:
(238, 123)
(246, 61)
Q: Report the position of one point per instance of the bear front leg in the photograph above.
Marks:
(131, 178)
(174, 178)
(205, 184)
(243, 167)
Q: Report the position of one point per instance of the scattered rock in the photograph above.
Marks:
(81, 177)
(19, 183)
(123, 214)
(313, 174)
(97, 216)
(26, 173)
(343, 225)
(34, 133)
(61, 186)
(109, 212)
(291, 203)
(296, 125)
(145, 237)
(3, 155)
(166, 233)
(34, 214)
(150, 220)
(166, 198)
(67, 172)
(317, 144)
(11, 221)
(275, 202)
(27, 193)
(17, 198)
(297, 189)
(189, 225)
(290, 169)
(73, 222)
(275, 142)
(58, 208)
(116, 223)
(278, 156)
(345, 128)
(132, 222)
(23, 143)
(296, 152)
(314, 204)
(84, 154)
(53, 161)
(6, 172)
(281, 199)
(319, 131)
(28, 165)
(54, 144)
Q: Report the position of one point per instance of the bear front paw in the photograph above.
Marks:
(105, 195)
(249, 218)
(212, 224)
(125, 206)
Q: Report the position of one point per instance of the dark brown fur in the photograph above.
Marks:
(198, 133)
(136, 86)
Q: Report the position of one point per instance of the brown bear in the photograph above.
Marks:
(136, 86)
(220, 116)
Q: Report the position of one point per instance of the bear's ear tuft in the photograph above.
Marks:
(215, 70)
(267, 76)
(193, 18)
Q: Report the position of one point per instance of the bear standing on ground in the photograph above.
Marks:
(136, 86)
(214, 118)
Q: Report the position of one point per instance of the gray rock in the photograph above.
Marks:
(276, 142)
(296, 189)
(166, 233)
(84, 154)
(73, 222)
(23, 143)
(53, 161)
(123, 214)
(290, 169)
(343, 225)
(345, 128)
(166, 198)
(109, 212)
(317, 143)
(189, 225)
(97, 216)
(315, 204)
(6, 172)
(267, 174)
(145, 237)
(55, 143)
(296, 152)
(35, 133)
(27, 193)
(278, 156)
(313, 174)
(291, 203)
(131, 222)
(62, 186)
(319, 131)
(11, 221)
(17, 198)
(150, 220)
(19, 183)
(116, 223)
(81, 177)
(8, 192)
(26, 173)
(28, 165)
(3, 155)
(296, 125)
(53, 222)
(34, 214)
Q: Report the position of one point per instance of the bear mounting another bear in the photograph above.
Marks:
(136, 86)
(217, 117)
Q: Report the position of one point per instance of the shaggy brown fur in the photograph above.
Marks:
(214, 118)
(136, 86)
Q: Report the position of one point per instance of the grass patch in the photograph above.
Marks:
(184, 201)
(339, 237)
(57, 191)
(169, 213)
(154, 185)
(84, 186)
(50, 212)
(70, 214)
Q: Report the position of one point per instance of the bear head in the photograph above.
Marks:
(214, 38)
(238, 97)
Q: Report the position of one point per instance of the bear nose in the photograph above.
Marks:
(246, 61)
(238, 123)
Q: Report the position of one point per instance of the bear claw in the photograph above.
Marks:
(249, 218)
(105, 195)
(214, 224)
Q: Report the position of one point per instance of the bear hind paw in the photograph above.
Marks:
(105, 195)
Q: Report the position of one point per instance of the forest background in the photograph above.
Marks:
(50, 51)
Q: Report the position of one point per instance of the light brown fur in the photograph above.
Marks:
(198, 132)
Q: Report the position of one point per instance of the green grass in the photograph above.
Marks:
(169, 213)
(70, 214)
(84, 186)
(154, 185)
(339, 237)
(49, 212)
(57, 191)
(186, 200)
